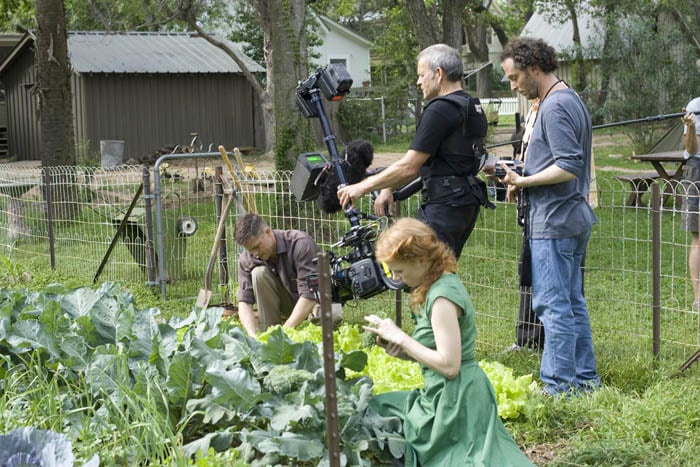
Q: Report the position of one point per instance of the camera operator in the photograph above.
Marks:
(558, 219)
(273, 271)
(445, 152)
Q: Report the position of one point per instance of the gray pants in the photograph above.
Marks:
(275, 304)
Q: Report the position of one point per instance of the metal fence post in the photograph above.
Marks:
(48, 197)
(656, 268)
(150, 251)
(326, 297)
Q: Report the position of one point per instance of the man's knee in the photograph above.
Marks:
(258, 275)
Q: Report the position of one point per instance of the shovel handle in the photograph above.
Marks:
(217, 240)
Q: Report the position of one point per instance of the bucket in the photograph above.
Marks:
(111, 152)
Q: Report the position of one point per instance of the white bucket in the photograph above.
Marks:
(111, 152)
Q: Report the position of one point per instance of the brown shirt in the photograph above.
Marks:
(293, 264)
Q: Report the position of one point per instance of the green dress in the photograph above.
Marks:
(454, 422)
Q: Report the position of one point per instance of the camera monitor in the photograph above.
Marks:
(309, 167)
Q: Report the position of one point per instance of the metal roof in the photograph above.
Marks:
(151, 52)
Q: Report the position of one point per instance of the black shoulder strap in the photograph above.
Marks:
(462, 103)
(474, 122)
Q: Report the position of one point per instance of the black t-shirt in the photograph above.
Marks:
(439, 133)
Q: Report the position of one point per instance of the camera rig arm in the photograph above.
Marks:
(356, 274)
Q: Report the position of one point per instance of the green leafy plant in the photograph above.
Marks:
(393, 374)
(207, 383)
(32, 446)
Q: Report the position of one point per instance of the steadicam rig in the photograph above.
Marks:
(356, 274)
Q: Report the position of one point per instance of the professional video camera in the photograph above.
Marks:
(356, 274)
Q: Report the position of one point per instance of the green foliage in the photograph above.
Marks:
(162, 392)
(16, 14)
(30, 446)
(649, 73)
(360, 118)
(393, 374)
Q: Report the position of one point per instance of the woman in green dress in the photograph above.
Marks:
(453, 420)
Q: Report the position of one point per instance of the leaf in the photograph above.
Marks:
(278, 349)
(235, 386)
(355, 360)
(285, 414)
(28, 334)
(32, 446)
(183, 377)
(144, 333)
(220, 441)
(75, 351)
(302, 447)
(79, 302)
(213, 412)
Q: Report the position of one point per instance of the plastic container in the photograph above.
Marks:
(111, 153)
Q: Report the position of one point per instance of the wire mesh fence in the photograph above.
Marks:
(91, 224)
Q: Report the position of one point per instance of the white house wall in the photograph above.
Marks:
(341, 44)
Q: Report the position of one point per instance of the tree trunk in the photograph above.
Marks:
(423, 25)
(452, 23)
(53, 85)
(580, 62)
(477, 28)
(54, 93)
(285, 58)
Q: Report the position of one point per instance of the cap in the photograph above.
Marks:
(694, 106)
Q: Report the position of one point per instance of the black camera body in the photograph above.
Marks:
(332, 81)
(514, 165)
(356, 274)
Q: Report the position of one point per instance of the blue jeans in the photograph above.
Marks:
(568, 360)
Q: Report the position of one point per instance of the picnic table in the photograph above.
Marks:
(668, 166)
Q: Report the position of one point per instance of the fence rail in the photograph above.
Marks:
(74, 219)
(505, 105)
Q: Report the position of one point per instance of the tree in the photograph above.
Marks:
(53, 85)
(285, 50)
(649, 72)
(53, 89)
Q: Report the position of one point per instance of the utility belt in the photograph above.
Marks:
(450, 188)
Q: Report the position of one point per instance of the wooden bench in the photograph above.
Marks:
(639, 184)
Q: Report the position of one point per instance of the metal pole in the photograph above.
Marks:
(150, 251)
(398, 295)
(326, 297)
(656, 268)
(48, 196)
(653, 118)
(383, 120)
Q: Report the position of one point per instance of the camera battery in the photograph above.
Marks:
(309, 166)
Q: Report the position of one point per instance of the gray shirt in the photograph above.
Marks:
(562, 136)
(296, 251)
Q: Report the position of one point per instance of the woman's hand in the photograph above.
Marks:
(389, 335)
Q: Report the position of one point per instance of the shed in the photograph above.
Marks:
(151, 90)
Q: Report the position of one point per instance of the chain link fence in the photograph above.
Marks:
(93, 224)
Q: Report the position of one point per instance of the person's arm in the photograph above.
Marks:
(397, 174)
(248, 318)
(301, 311)
(691, 139)
(549, 176)
(446, 359)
